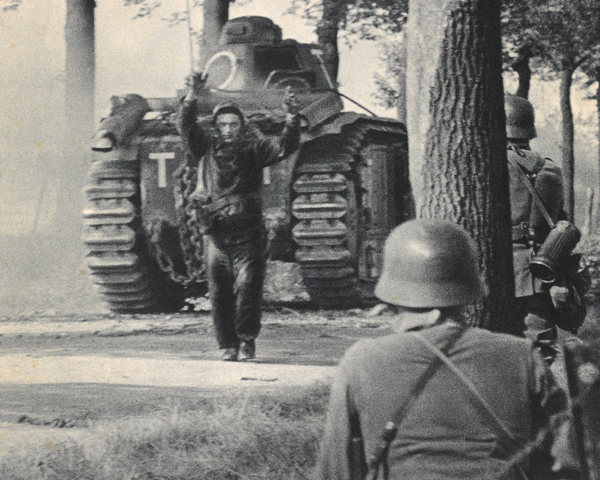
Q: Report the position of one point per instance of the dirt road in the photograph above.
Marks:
(72, 371)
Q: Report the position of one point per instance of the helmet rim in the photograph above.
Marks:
(430, 263)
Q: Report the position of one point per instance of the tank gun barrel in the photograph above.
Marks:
(124, 119)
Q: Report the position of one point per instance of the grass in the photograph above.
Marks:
(590, 247)
(241, 436)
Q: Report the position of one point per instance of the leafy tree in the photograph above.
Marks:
(9, 4)
(517, 50)
(363, 19)
(562, 35)
(79, 108)
(455, 110)
(592, 71)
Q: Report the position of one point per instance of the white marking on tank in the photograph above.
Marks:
(267, 175)
(162, 158)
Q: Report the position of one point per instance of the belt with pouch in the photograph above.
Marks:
(229, 200)
(521, 233)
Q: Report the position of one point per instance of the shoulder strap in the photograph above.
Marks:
(531, 162)
(506, 440)
(536, 197)
(379, 455)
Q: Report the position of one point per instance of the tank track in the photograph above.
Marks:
(328, 215)
(324, 205)
(126, 277)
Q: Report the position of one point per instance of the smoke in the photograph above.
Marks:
(40, 264)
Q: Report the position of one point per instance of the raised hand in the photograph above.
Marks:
(290, 101)
(195, 83)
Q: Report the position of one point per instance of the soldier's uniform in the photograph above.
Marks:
(529, 229)
(535, 310)
(444, 436)
(430, 270)
(236, 243)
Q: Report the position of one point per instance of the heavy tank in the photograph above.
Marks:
(328, 207)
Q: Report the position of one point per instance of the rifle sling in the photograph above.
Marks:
(506, 439)
(379, 455)
(534, 193)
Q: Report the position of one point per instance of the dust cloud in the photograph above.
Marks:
(41, 254)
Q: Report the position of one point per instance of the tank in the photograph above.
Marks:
(328, 207)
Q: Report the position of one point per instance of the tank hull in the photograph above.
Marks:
(328, 207)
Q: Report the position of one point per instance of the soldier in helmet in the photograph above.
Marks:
(537, 312)
(437, 399)
(229, 160)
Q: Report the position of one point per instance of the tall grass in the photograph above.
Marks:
(239, 436)
(590, 247)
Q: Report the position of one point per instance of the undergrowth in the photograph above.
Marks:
(241, 436)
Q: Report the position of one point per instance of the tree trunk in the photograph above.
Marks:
(401, 108)
(521, 66)
(327, 33)
(215, 15)
(568, 156)
(79, 113)
(455, 107)
(596, 223)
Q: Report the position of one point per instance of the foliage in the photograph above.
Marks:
(387, 83)
(372, 20)
(363, 19)
(590, 248)
(145, 8)
(243, 435)
(562, 34)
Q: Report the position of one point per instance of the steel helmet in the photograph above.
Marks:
(520, 118)
(430, 264)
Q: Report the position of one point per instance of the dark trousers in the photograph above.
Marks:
(236, 273)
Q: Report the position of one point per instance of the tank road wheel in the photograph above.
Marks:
(128, 279)
(324, 205)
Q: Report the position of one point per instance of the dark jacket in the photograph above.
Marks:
(443, 436)
(529, 226)
(235, 168)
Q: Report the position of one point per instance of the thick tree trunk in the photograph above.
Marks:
(568, 156)
(215, 15)
(596, 222)
(79, 112)
(455, 107)
(523, 69)
(327, 35)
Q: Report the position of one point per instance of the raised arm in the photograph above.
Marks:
(272, 151)
(194, 138)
